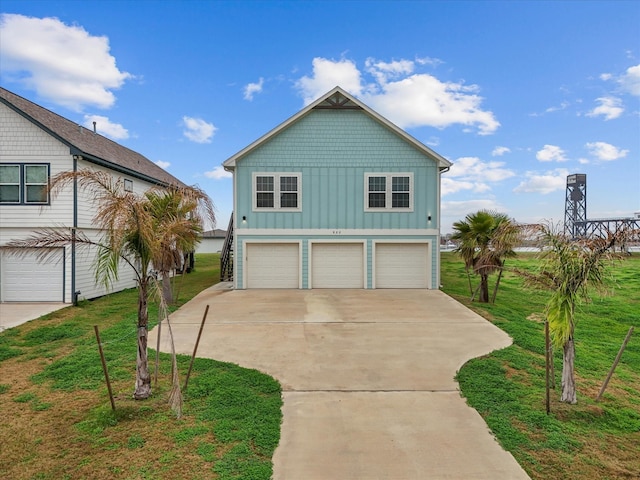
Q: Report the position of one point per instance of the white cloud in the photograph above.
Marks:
(106, 127)
(62, 63)
(434, 62)
(499, 151)
(551, 153)
(328, 74)
(406, 98)
(605, 151)
(449, 186)
(543, 183)
(383, 71)
(630, 81)
(252, 88)
(197, 130)
(473, 169)
(563, 106)
(464, 207)
(218, 173)
(583, 161)
(163, 164)
(470, 173)
(609, 108)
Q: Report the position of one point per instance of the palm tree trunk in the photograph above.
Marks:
(469, 279)
(484, 288)
(167, 291)
(143, 376)
(568, 377)
(495, 290)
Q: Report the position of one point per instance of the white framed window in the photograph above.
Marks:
(386, 192)
(24, 183)
(277, 191)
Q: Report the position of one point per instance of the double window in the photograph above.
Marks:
(388, 192)
(277, 191)
(24, 183)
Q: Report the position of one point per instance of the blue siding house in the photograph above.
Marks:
(336, 197)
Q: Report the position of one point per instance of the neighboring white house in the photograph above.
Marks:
(36, 144)
(211, 241)
(337, 197)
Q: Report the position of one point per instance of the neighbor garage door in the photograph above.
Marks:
(24, 279)
(402, 265)
(337, 265)
(272, 265)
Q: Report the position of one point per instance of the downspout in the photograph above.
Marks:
(438, 285)
(74, 294)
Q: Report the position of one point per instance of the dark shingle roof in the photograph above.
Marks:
(82, 141)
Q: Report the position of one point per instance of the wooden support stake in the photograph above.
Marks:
(195, 348)
(104, 368)
(548, 363)
(615, 364)
(155, 381)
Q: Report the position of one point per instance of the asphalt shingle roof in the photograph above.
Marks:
(92, 146)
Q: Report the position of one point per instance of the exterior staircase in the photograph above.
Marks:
(226, 256)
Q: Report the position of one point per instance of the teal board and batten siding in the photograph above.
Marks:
(306, 240)
(333, 149)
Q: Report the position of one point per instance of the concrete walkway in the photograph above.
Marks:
(367, 377)
(14, 314)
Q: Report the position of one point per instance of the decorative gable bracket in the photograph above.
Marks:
(338, 101)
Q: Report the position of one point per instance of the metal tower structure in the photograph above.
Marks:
(575, 214)
(575, 205)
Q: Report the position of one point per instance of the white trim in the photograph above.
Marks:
(276, 191)
(389, 191)
(430, 266)
(336, 232)
(336, 240)
(266, 240)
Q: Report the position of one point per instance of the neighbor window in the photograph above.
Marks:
(24, 183)
(128, 185)
(389, 191)
(276, 191)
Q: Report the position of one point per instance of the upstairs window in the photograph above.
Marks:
(128, 185)
(24, 183)
(389, 192)
(277, 191)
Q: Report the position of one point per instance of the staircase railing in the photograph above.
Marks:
(226, 256)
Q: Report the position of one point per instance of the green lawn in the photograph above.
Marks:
(58, 423)
(584, 441)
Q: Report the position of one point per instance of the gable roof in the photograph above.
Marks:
(338, 98)
(93, 147)
(215, 233)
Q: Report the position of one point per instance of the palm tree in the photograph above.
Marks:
(485, 239)
(134, 232)
(177, 216)
(570, 269)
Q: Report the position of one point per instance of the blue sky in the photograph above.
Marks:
(517, 94)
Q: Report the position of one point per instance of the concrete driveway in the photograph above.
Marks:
(367, 377)
(14, 314)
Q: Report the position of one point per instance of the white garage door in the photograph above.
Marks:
(402, 265)
(272, 265)
(337, 265)
(24, 279)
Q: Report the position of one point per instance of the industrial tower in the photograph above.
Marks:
(575, 214)
(575, 206)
